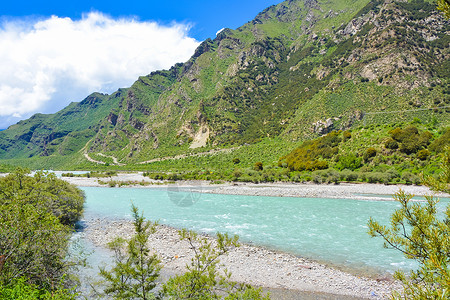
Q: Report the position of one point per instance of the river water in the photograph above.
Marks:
(333, 231)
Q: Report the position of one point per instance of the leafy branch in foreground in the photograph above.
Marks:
(136, 269)
(418, 233)
(203, 280)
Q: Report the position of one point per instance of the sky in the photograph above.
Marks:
(56, 52)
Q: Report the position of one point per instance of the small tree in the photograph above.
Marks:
(136, 270)
(258, 166)
(203, 279)
(370, 152)
(417, 232)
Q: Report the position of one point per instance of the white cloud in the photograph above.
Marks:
(46, 64)
(220, 31)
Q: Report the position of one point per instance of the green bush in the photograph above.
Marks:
(391, 144)
(377, 177)
(350, 162)
(258, 166)
(21, 289)
(423, 154)
(392, 174)
(370, 152)
(309, 156)
(409, 139)
(36, 218)
(440, 143)
(333, 176)
(418, 231)
(346, 135)
(410, 178)
(348, 175)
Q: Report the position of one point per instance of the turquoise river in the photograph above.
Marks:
(333, 231)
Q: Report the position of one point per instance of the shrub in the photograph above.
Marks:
(237, 173)
(204, 279)
(136, 270)
(370, 152)
(316, 178)
(440, 143)
(21, 289)
(258, 166)
(391, 144)
(37, 216)
(392, 174)
(350, 162)
(348, 175)
(410, 178)
(423, 154)
(310, 153)
(346, 135)
(320, 165)
(236, 161)
(424, 239)
(377, 177)
(409, 139)
(333, 176)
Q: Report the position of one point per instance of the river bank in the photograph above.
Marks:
(358, 191)
(258, 266)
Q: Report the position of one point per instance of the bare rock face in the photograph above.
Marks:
(324, 127)
(112, 118)
(202, 135)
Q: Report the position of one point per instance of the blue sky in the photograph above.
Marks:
(207, 17)
(56, 52)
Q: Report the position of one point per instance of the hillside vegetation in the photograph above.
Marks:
(300, 70)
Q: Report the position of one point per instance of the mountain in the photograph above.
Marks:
(300, 69)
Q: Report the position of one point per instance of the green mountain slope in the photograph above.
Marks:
(300, 69)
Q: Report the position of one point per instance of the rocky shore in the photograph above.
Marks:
(254, 265)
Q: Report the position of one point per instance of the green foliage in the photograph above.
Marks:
(377, 177)
(370, 152)
(36, 220)
(136, 270)
(391, 144)
(44, 191)
(419, 234)
(444, 6)
(258, 166)
(423, 154)
(442, 181)
(21, 289)
(350, 162)
(203, 279)
(410, 139)
(440, 143)
(418, 9)
(346, 135)
(308, 155)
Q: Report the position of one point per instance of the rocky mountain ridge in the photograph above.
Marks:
(299, 69)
